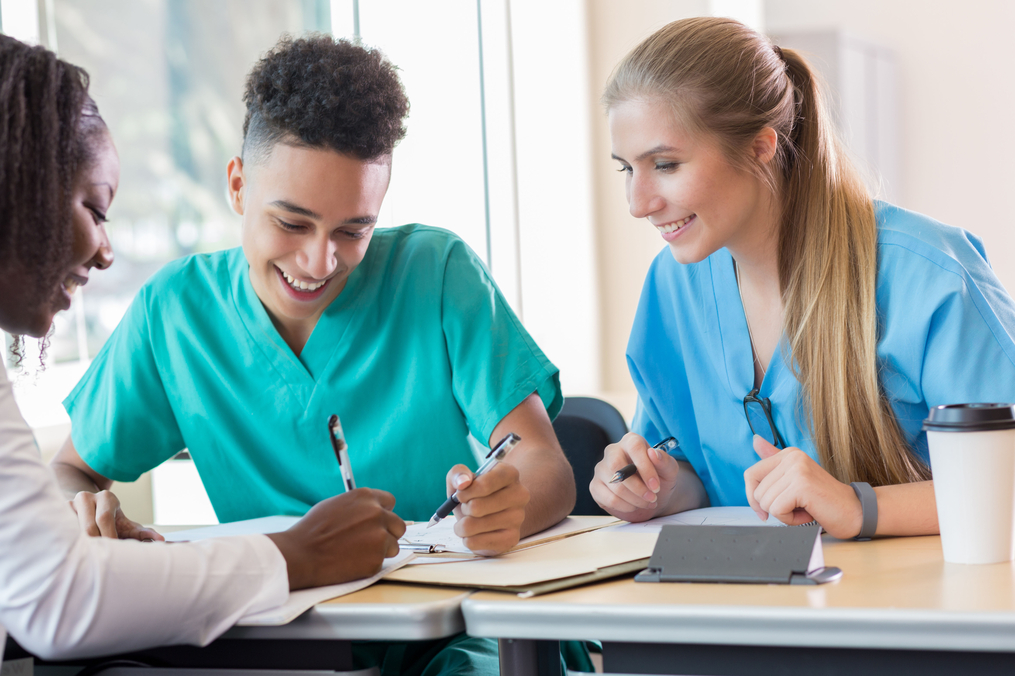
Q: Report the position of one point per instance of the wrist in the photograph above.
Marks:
(868, 503)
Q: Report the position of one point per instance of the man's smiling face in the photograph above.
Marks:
(308, 217)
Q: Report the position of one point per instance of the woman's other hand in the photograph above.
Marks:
(99, 514)
(790, 486)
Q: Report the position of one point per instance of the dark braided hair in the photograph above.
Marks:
(47, 124)
(320, 92)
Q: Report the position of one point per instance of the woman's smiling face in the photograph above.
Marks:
(683, 184)
(24, 310)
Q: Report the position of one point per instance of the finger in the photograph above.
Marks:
(608, 500)
(753, 477)
(394, 525)
(105, 519)
(498, 478)
(665, 464)
(85, 510)
(637, 450)
(392, 548)
(601, 486)
(783, 499)
(512, 496)
(472, 526)
(763, 448)
(458, 477)
(640, 497)
(384, 498)
(143, 534)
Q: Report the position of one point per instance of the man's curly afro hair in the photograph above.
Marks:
(324, 93)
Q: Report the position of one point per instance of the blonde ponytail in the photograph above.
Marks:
(728, 82)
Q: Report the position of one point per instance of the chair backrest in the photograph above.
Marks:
(585, 427)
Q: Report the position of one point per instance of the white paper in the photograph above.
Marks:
(442, 534)
(305, 599)
(262, 526)
(708, 516)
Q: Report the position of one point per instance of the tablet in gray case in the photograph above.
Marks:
(739, 554)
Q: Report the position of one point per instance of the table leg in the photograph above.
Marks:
(522, 657)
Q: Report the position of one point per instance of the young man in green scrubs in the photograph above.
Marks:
(241, 356)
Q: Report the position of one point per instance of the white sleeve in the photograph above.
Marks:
(64, 594)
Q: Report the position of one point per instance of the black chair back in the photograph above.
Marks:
(585, 427)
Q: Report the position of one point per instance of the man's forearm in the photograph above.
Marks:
(551, 494)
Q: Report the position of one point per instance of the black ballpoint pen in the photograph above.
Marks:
(341, 452)
(628, 471)
(495, 455)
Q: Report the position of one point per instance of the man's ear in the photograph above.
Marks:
(765, 144)
(236, 184)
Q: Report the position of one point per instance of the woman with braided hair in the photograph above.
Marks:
(796, 332)
(63, 593)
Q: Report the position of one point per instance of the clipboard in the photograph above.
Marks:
(739, 554)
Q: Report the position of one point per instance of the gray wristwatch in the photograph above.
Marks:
(869, 504)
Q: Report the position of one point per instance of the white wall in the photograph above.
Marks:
(956, 99)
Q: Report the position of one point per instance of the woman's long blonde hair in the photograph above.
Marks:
(727, 82)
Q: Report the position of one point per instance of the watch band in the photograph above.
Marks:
(869, 504)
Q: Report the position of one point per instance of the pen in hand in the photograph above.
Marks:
(628, 471)
(495, 455)
(341, 452)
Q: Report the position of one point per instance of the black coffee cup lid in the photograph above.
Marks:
(970, 418)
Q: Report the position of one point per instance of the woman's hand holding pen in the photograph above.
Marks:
(643, 495)
(492, 507)
(343, 538)
(791, 487)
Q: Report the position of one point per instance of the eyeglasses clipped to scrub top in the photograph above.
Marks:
(759, 416)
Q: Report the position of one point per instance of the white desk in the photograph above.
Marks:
(320, 639)
(898, 609)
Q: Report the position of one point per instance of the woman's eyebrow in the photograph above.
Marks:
(649, 153)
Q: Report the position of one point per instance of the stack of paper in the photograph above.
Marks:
(443, 536)
(580, 559)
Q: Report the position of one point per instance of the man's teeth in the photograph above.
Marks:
(302, 286)
(70, 285)
(674, 226)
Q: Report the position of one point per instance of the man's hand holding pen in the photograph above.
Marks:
(492, 507)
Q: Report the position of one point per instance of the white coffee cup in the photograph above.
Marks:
(972, 457)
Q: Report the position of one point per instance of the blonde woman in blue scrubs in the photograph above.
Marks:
(241, 356)
(795, 332)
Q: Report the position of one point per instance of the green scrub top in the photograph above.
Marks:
(418, 350)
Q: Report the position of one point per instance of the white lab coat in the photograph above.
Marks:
(63, 594)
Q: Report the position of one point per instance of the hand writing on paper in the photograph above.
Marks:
(492, 507)
(641, 496)
(792, 487)
(343, 538)
(99, 514)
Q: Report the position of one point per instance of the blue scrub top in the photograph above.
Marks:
(418, 350)
(947, 336)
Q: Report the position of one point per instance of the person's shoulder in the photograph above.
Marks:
(915, 238)
(416, 236)
(195, 277)
(416, 246)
